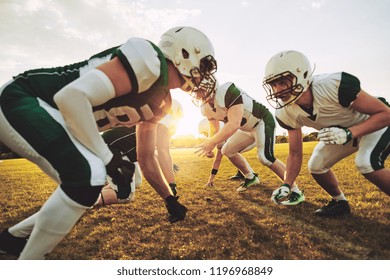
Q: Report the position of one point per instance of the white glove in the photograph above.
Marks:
(334, 135)
(281, 194)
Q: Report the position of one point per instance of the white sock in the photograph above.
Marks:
(249, 175)
(24, 228)
(55, 219)
(339, 197)
(295, 189)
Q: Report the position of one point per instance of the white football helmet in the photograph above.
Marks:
(176, 110)
(193, 55)
(291, 65)
(204, 127)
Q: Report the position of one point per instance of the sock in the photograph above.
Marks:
(249, 176)
(295, 189)
(55, 219)
(24, 228)
(339, 197)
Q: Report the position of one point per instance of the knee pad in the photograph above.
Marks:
(225, 151)
(316, 165)
(84, 195)
(363, 163)
(263, 159)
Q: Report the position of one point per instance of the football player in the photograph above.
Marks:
(121, 140)
(349, 120)
(246, 122)
(207, 128)
(44, 109)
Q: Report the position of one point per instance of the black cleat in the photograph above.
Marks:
(238, 176)
(334, 208)
(10, 244)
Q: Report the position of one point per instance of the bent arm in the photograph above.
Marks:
(378, 111)
(234, 116)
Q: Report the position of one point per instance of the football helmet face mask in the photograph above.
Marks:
(193, 55)
(292, 70)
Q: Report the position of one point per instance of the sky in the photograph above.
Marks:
(336, 35)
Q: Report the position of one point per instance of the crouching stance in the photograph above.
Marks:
(349, 120)
(53, 117)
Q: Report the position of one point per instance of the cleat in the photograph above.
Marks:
(294, 199)
(334, 208)
(255, 181)
(238, 176)
(10, 244)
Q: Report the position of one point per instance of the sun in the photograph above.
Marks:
(188, 125)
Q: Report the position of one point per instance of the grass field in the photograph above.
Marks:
(221, 224)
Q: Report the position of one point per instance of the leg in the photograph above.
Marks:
(380, 178)
(36, 131)
(322, 159)
(236, 143)
(328, 182)
(370, 159)
(239, 141)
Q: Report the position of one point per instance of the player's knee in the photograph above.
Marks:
(316, 165)
(264, 160)
(85, 195)
(228, 153)
(363, 164)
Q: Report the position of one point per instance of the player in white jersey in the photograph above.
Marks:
(53, 116)
(206, 128)
(246, 122)
(349, 120)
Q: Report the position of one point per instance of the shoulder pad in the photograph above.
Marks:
(144, 61)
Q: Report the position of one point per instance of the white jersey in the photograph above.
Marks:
(228, 95)
(332, 96)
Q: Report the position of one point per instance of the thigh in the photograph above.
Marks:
(325, 156)
(265, 140)
(37, 131)
(374, 148)
(238, 142)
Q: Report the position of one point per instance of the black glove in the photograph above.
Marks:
(176, 211)
(121, 171)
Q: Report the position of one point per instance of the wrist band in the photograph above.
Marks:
(214, 171)
(349, 135)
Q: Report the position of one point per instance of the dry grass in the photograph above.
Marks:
(221, 224)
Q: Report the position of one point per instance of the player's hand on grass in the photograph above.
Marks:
(176, 211)
(210, 184)
(281, 194)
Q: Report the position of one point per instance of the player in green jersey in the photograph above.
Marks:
(53, 118)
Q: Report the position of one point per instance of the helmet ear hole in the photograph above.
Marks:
(185, 54)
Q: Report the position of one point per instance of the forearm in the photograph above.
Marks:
(293, 168)
(75, 104)
(372, 124)
(227, 131)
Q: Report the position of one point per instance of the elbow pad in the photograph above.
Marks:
(75, 103)
(95, 85)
